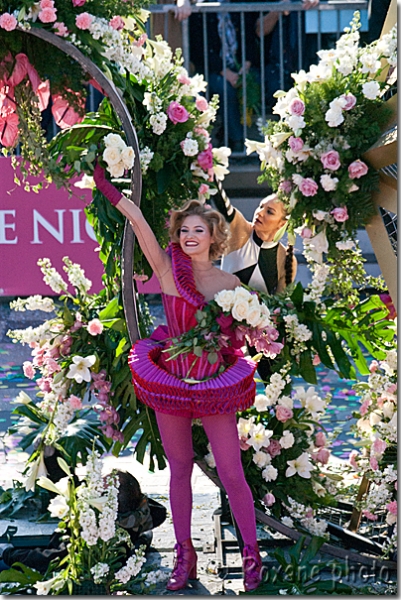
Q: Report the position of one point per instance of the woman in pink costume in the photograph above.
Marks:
(188, 281)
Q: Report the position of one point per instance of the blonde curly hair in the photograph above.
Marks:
(214, 220)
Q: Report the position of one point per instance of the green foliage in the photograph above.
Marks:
(300, 573)
(19, 578)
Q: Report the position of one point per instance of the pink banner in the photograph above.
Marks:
(44, 225)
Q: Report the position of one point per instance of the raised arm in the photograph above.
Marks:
(157, 258)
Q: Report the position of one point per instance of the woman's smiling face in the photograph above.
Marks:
(195, 236)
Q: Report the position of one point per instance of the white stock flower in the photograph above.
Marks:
(287, 521)
(370, 62)
(99, 571)
(158, 123)
(345, 245)
(131, 569)
(190, 147)
(287, 440)
(145, 157)
(79, 370)
(371, 90)
(301, 466)
(320, 72)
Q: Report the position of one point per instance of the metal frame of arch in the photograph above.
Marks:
(128, 290)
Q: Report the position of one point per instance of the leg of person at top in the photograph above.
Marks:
(222, 433)
(176, 435)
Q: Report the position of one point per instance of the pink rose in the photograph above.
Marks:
(46, 4)
(183, 79)
(83, 21)
(340, 214)
(61, 29)
(320, 439)
(205, 158)
(297, 107)
(373, 463)
(323, 456)
(392, 507)
(28, 369)
(77, 3)
(296, 143)
(268, 499)
(331, 160)
(203, 188)
(357, 169)
(117, 23)
(243, 444)
(379, 446)
(75, 402)
(283, 413)
(274, 448)
(285, 186)
(306, 233)
(201, 103)
(350, 101)
(8, 22)
(48, 15)
(95, 327)
(177, 113)
(308, 187)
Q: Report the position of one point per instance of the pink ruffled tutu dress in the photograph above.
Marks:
(158, 382)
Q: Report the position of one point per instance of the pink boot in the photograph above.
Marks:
(184, 566)
(252, 566)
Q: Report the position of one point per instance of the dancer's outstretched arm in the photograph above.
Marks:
(157, 258)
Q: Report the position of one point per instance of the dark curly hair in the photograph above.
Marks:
(215, 221)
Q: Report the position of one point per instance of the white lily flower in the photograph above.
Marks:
(79, 370)
(301, 466)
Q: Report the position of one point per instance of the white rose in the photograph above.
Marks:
(371, 90)
(286, 401)
(261, 403)
(265, 320)
(112, 155)
(225, 299)
(329, 184)
(296, 122)
(117, 170)
(128, 157)
(114, 140)
(240, 293)
(334, 117)
(240, 310)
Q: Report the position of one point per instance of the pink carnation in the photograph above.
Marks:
(48, 15)
(205, 158)
(352, 460)
(77, 3)
(8, 22)
(392, 507)
(331, 160)
(44, 384)
(268, 499)
(350, 101)
(28, 369)
(357, 169)
(95, 327)
(369, 515)
(61, 29)
(323, 455)
(274, 448)
(340, 214)
(83, 21)
(285, 186)
(320, 439)
(297, 107)
(117, 23)
(52, 366)
(308, 187)
(201, 103)
(183, 79)
(75, 402)
(364, 407)
(177, 113)
(283, 413)
(296, 143)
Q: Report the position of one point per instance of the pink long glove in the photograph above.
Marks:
(103, 185)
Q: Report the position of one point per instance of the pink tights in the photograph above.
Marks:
(221, 430)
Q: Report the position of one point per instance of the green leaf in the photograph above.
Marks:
(306, 368)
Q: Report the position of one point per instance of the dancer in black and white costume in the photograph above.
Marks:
(253, 255)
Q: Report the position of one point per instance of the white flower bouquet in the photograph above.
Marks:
(312, 156)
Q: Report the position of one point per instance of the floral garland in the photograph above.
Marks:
(312, 156)
(376, 429)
